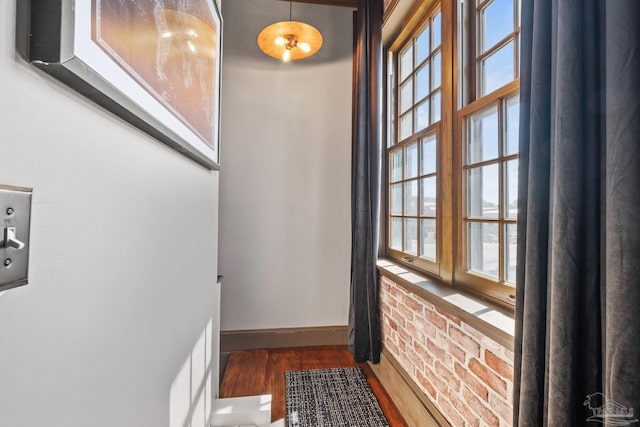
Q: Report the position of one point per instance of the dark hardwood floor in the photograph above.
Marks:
(252, 372)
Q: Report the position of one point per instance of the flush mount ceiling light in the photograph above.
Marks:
(290, 40)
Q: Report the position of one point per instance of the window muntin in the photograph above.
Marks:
(420, 79)
(452, 172)
(413, 198)
(496, 23)
(497, 30)
(489, 32)
(490, 171)
(412, 155)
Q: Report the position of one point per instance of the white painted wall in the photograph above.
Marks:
(285, 183)
(123, 263)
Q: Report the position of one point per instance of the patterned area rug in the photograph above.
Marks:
(331, 398)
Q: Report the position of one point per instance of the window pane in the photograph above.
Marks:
(483, 192)
(512, 121)
(511, 189)
(422, 45)
(435, 107)
(411, 198)
(482, 141)
(519, 51)
(428, 238)
(396, 199)
(405, 125)
(497, 69)
(483, 248)
(411, 236)
(392, 113)
(422, 116)
(396, 233)
(422, 82)
(428, 189)
(497, 23)
(396, 166)
(392, 130)
(406, 62)
(406, 98)
(436, 69)
(510, 252)
(411, 161)
(437, 30)
(429, 160)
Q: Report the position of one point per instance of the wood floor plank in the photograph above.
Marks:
(280, 361)
(245, 374)
(325, 357)
(251, 372)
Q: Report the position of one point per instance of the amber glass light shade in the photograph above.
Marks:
(290, 40)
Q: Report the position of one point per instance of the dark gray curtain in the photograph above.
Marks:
(578, 278)
(364, 326)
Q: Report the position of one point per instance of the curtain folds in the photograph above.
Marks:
(364, 327)
(577, 328)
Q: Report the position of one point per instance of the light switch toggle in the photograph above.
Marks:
(10, 239)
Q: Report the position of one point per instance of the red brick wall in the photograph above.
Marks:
(467, 375)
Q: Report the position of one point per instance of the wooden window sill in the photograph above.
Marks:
(487, 317)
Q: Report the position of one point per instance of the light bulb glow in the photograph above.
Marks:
(166, 34)
(300, 39)
(304, 47)
(191, 46)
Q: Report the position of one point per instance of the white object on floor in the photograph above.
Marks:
(242, 411)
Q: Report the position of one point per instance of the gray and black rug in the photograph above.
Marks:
(331, 398)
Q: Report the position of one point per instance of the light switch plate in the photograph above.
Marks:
(15, 221)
